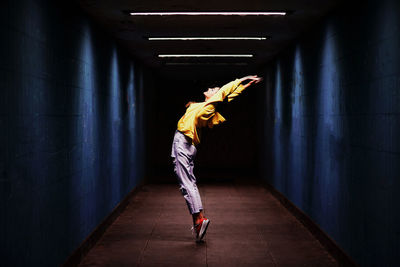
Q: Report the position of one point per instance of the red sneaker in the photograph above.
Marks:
(200, 229)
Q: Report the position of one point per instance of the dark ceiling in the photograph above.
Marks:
(132, 32)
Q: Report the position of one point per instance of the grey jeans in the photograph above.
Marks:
(183, 154)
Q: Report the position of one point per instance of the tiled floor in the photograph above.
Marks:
(249, 227)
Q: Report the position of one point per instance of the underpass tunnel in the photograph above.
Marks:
(305, 171)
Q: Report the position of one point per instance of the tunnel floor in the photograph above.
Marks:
(249, 227)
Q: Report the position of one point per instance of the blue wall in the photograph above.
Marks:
(71, 120)
(332, 128)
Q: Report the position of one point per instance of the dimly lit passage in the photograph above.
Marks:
(153, 231)
(301, 169)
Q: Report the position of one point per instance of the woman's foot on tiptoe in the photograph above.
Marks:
(200, 229)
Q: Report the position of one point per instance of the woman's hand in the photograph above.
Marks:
(253, 78)
(258, 79)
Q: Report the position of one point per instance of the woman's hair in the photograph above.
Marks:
(189, 103)
(209, 84)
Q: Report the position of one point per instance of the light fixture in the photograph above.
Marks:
(205, 55)
(207, 13)
(205, 64)
(204, 38)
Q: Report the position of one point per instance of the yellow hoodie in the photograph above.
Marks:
(203, 114)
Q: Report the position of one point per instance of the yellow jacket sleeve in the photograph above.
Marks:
(206, 112)
(238, 91)
(225, 91)
(216, 119)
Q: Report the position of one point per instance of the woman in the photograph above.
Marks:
(202, 114)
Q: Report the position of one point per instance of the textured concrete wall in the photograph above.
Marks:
(332, 127)
(71, 139)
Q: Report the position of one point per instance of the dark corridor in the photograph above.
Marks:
(91, 93)
(153, 231)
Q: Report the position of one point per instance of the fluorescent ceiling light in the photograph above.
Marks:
(211, 63)
(207, 13)
(204, 38)
(205, 55)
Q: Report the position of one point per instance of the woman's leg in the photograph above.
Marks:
(197, 217)
(183, 168)
(183, 153)
(188, 187)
